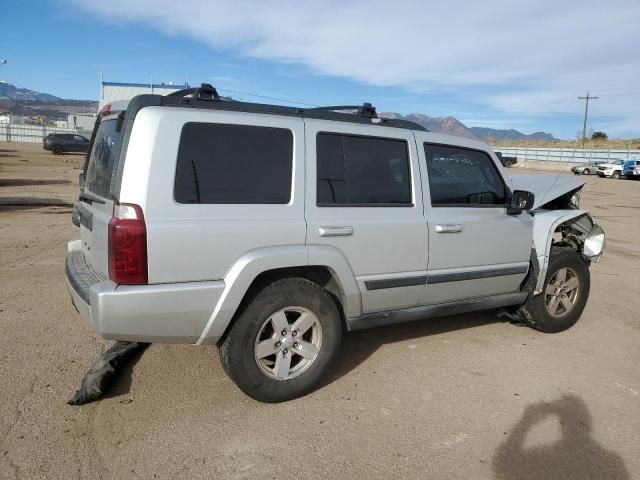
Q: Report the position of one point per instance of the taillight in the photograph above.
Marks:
(106, 110)
(127, 245)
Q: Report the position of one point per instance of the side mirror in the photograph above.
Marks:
(521, 201)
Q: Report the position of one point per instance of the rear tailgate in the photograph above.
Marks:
(96, 206)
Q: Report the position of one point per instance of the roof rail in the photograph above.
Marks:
(207, 97)
(204, 92)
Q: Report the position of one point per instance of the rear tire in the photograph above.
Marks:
(564, 294)
(615, 175)
(586, 171)
(272, 367)
(57, 150)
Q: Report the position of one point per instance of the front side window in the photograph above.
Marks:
(234, 164)
(458, 177)
(362, 171)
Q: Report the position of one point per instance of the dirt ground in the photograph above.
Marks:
(463, 397)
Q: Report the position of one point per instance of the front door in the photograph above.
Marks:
(475, 248)
(364, 198)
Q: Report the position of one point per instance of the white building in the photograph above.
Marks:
(80, 121)
(111, 91)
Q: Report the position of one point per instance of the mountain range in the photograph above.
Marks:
(22, 101)
(452, 126)
(30, 103)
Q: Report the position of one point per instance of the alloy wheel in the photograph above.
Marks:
(288, 343)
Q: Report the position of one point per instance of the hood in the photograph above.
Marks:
(545, 187)
(610, 165)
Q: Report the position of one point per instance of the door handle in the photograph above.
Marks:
(448, 228)
(335, 231)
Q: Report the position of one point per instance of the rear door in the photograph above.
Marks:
(68, 143)
(475, 248)
(80, 143)
(363, 198)
(95, 214)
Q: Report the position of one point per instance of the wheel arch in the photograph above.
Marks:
(545, 225)
(324, 265)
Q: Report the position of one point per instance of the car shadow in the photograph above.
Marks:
(27, 203)
(358, 346)
(24, 182)
(575, 456)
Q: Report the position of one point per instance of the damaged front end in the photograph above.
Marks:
(558, 220)
(584, 236)
(558, 225)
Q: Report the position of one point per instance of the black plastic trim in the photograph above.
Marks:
(80, 276)
(462, 276)
(395, 282)
(378, 319)
(361, 205)
(85, 217)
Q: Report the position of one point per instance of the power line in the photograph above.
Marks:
(586, 112)
(268, 98)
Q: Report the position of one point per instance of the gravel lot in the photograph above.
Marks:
(462, 397)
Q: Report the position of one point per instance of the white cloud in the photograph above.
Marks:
(533, 57)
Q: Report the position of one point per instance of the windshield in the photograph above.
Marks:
(104, 158)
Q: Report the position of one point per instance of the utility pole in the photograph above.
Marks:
(586, 112)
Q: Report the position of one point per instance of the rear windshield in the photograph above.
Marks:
(103, 159)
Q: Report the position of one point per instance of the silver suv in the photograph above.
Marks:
(270, 230)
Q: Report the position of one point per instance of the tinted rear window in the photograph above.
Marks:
(357, 170)
(234, 164)
(103, 159)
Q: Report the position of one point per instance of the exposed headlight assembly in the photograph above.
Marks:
(594, 244)
(575, 200)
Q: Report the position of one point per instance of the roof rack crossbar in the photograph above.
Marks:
(203, 92)
(364, 110)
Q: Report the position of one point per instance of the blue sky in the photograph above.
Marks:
(494, 63)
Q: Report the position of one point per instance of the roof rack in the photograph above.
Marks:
(203, 92)
(206, 97)
(364, 110)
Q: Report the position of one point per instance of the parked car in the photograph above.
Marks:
(590, 168)
(268, 230)
(612, 169)
(59, 143)
(631, 169)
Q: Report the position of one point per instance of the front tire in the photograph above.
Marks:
(282, 341)
(586, 171)
(564, 295)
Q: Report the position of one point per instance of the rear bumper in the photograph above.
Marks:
(169, 313)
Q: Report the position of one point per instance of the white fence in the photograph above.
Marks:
(570, 155)
(29, 133)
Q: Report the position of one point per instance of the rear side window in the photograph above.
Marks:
(458, 176)
(234, 164)
(362, 171)
(103, 158)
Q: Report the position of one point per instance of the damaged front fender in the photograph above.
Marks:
(565, 228)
